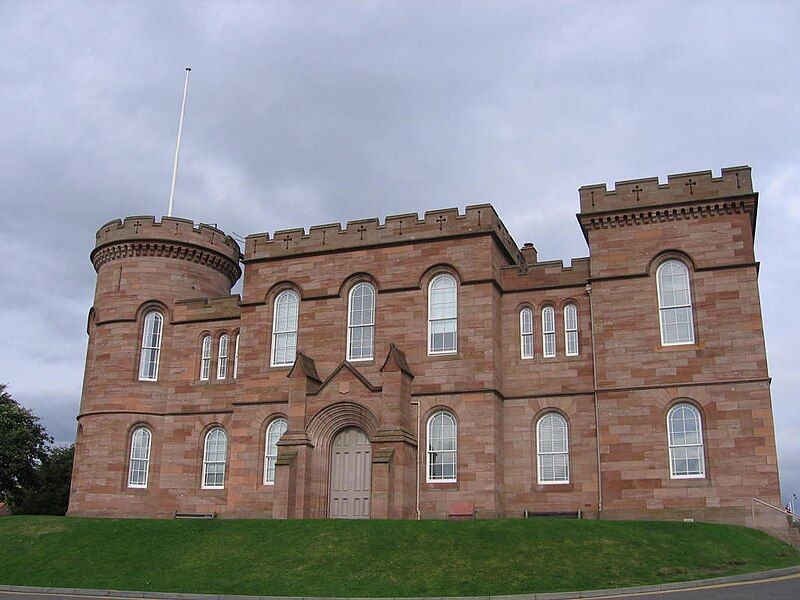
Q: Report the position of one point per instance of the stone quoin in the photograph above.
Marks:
(397, 369)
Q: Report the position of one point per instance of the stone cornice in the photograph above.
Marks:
(166, 249)
(696, 209)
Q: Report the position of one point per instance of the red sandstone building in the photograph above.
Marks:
(397, 369)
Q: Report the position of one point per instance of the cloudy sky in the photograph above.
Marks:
(302, 113)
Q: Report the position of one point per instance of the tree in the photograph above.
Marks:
(23, 446)
(49, 494)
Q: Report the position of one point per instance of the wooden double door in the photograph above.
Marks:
(351, 466)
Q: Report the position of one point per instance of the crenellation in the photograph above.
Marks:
(680, 188)
(404, 228)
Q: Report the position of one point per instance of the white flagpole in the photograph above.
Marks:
(178, 145)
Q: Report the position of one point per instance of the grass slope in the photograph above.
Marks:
(374, 558)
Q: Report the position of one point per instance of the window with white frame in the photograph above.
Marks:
(236, 356)
(552, 447)
(151, 346)
(222, 357)
(686, 456)
(526, 333)
(215, 453)
(571, 329)
(361, 322)
(205, 358)
(674, 304)
(548, 332)
(442, 314)
(442, 434)
(284, 329)
(274, 432)
(140, 458)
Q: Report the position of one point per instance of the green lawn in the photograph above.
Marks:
(374, 558)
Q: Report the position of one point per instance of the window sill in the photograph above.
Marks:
(441, 485)
(679, 347)
(443, 355)
(559, 486)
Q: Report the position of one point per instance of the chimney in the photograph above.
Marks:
(529, 252)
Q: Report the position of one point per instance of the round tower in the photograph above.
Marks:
(144, 266)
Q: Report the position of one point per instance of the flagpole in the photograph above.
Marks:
(178, 144)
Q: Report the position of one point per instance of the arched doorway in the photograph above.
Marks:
(351, 467)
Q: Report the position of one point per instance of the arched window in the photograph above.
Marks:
(222, 357)
(205, 358)
(571, 329)
(674, 304)
(548, 332)
(151, 346)
(442, 314)
(236, 356)
(686, 457)
(552, 448)
(140, 458)
(215, 453)
(361, 322)
(284, 329)
(274, 432)
(442, 447)
(526, 333)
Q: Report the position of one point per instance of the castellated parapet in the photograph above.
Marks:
(170, 238)
(397, 229)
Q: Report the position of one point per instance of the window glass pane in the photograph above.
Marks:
(442, 447)
(274, 432)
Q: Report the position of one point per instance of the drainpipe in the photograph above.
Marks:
(596, 409)
(416, 505)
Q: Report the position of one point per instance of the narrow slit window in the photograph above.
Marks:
(552, 449)
(548, 332)
(361, 323)
(139, 467)
(526, 333)
(442, 315)
(151, 346)
(222, 359)
(686, 455)
(236, 356)
(674, 304)
(284, 329)
(215, 454)
(274, 432)
(571, 329)
(205, 359)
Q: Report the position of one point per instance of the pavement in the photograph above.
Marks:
(782, 584)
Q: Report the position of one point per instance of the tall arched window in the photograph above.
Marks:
(674, 304)
(222, 357)
(284, 329)
(151, 346)
(442, 314)
(686, 456)
(205, 358)
(140, 458)
(526, 333)
(236, 356)
(571, 329)
(274, 432)
(361, 322)
(552, 446)
(548, 332)
(442, 442)
(215, 453)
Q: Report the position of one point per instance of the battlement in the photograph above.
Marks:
(207, 309)
(171, 238)
(170, 229)
(396, 229)
(680, 188)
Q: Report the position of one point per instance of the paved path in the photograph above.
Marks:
(777, 588)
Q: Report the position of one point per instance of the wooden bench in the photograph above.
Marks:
(529, 514)
(462, 511)
(179, 515)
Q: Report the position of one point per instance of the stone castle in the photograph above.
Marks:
(423, 368)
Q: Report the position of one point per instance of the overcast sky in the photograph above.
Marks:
(302, 113)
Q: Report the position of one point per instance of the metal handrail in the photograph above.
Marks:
(784, 511)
